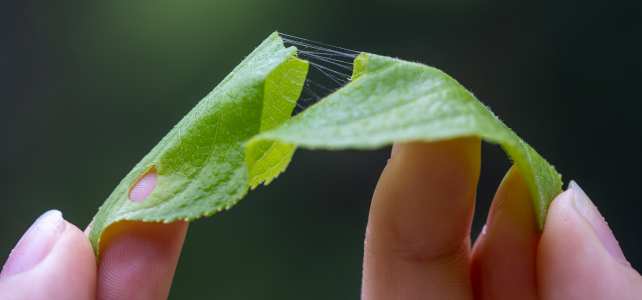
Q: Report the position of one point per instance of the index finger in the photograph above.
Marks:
(418, 236)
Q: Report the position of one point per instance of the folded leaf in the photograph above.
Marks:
(200, 163)
(391, 100)
(239, 135)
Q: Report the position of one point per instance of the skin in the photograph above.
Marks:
(417, 244)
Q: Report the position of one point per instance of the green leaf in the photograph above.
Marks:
(269, 158)
(239, 135)
(391, 100)
(200, 163)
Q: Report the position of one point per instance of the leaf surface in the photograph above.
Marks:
(240, 135)
(200, 162)
(391, 100)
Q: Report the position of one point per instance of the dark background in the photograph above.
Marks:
(89, 87)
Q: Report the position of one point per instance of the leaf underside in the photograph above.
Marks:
(241, 134)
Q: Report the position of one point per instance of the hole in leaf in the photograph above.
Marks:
(144, 185)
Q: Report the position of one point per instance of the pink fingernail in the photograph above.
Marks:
(589, 211)
(395, 150)
(35, 244)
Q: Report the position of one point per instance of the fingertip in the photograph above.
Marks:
(138, 259)
(503, 258)
(424, 201)
(418, 235)
(80, 260)
(573, 263)
(67, 271)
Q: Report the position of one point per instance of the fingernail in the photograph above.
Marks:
(500, 195)
(395, 150)
(35, 244)
(589, 211)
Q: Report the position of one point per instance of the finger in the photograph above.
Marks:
(52, 260)
(578, 256)
(503, 259)
(138, 259)
(417, 240)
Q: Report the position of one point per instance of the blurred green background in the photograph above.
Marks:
(89, 87)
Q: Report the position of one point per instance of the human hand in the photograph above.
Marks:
(54, 260)
(418, 237)
(417, 243)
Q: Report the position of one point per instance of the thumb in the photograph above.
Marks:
(52, 260)
(578, 256)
